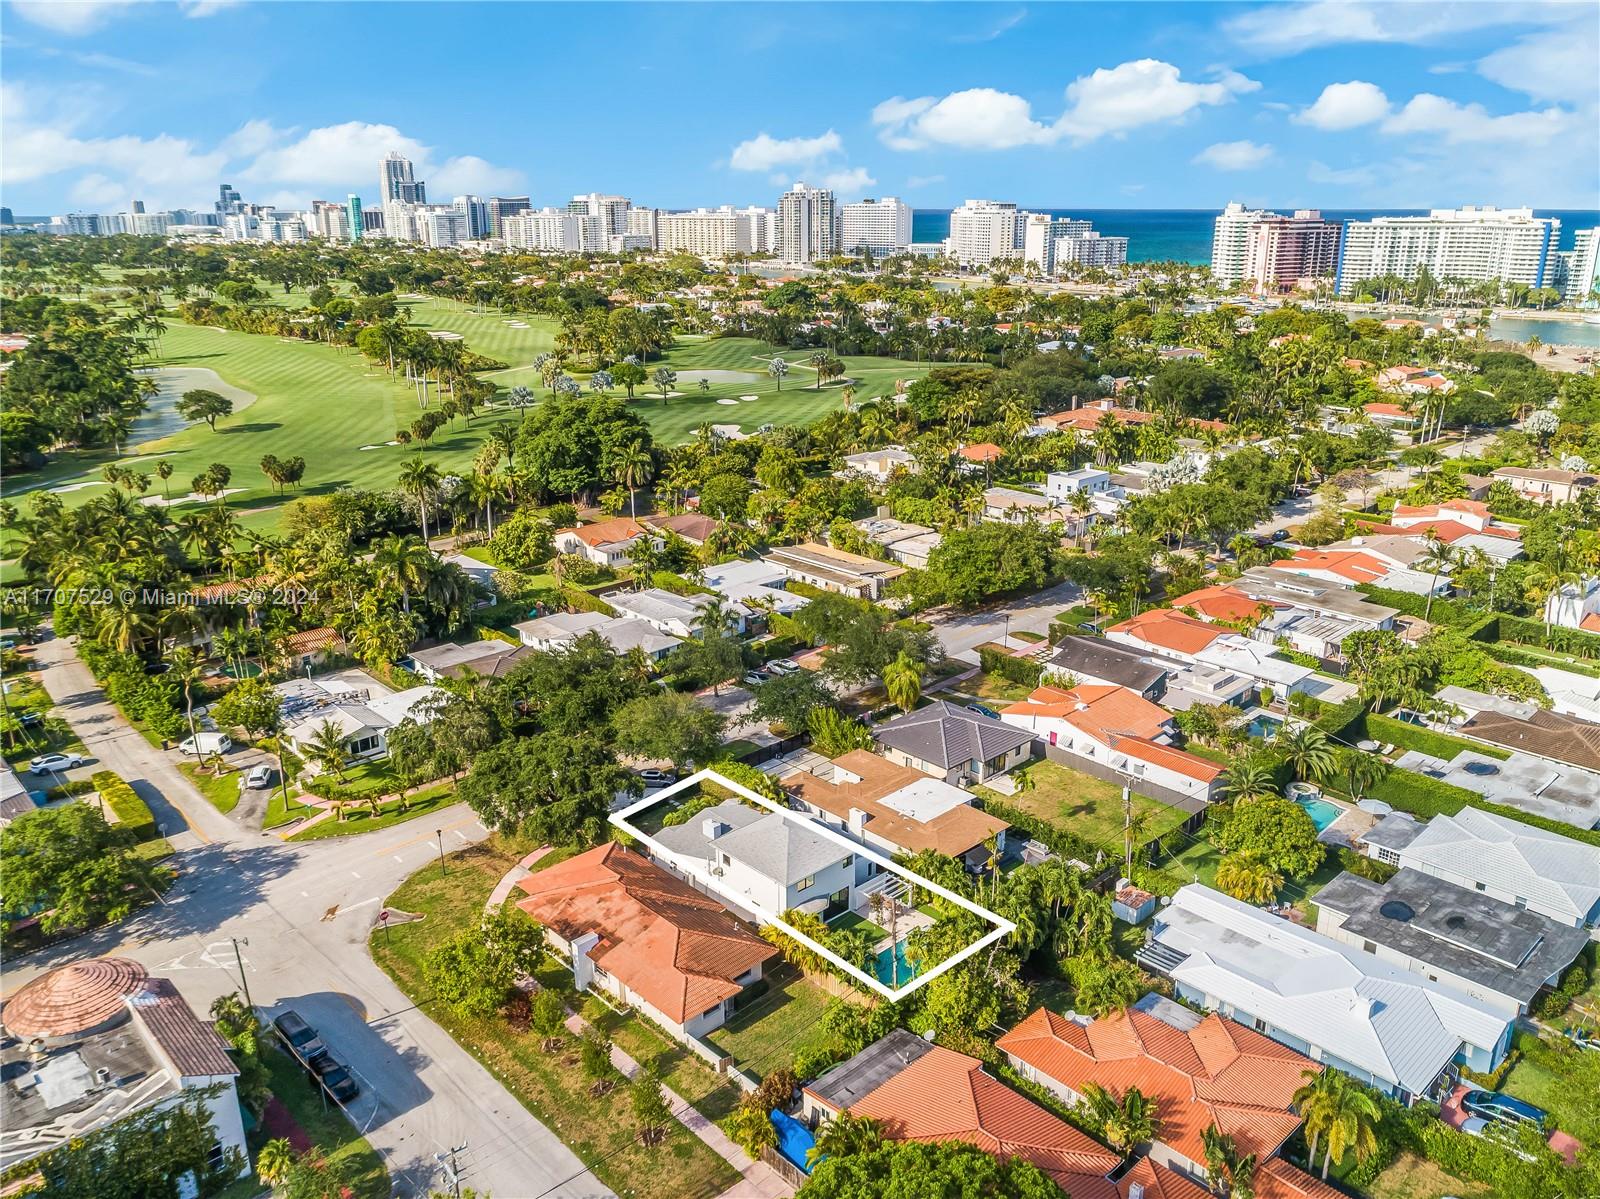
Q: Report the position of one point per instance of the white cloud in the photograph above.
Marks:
(916, 181)
(469, 174)
(196, 9)
(1461, 123)
(71, 17)
(1291, 28)
(1109, 101)
(96, 191)
(850, 181)
(764, 152)
(1557, 64)
(1003, 26)
(333, 154)
(1233, 156)
(252, 138)
(1346, 105)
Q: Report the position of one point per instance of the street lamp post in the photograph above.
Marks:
(239, 961)
(440, 834)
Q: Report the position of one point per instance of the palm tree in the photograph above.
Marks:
(1435, 558)
(1307, 749)
(1250, 779)
(902, 679)
(1335, 1107)
(187, 671)
(778, 368)
(844, 1136)
(1232, 1175)
(632, 467)
(1363, 771)
(275, 1161)
(326, 748)
(420, 479)
(1249, 878)
(405, 563)
(1125, 1123)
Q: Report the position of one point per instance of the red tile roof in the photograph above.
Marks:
(1277, 1179)
(1476, 507)
(1223, 603)
(1158, 1182)
(691, 526)
(1380, 408)
(1169, 630)
(1218, 1072)
(1180, 761)
(1444, 530)
(677, 949)
(73, 998)
(1354, 565)
(606, 532)
(946, 1096)
(1086, 419)
(983, 451)
(310, 641)
(193, 1047)
(1098, 709)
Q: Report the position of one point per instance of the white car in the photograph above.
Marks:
(783, 666)
(205, 743)
(51, 763)
(258, 777)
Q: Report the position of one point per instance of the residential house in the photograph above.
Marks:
(691, 526)
(1274, 1178)
(681, 616)
(766, 863)
(953, 744)
(756, 583)
(1524, 727)
(651, 941)
(621, 633)
(919, 1091)
(363, 722)
(834, 569)
(1396, 1031)
(1166, 632)
(1493, 951)
(1116, 728)
(910, 545)
(879, 465)
(1575, 605)
(1411, 380)
(98, 1041)
(1062, 485)
(559, 629)
(1221, 604)
(1008, 505)
(311, 648)
(1312, 615)
(1086, 419)
(1198, 1071)
(1547, 485)
(480, 572)
(453, 660)
(605, 543)
(1355, 565)
(1203, 684)
(15, 798)
(1096, 660)
(979, 458)
(897, 809)
(1518, 864)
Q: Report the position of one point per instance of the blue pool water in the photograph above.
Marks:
(883, 965)
(794, 1139)
(1263, 726)
(1322, 812)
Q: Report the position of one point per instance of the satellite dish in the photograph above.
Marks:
(928, 1036)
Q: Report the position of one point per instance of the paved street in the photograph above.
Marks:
(305, 911)
(960, 632)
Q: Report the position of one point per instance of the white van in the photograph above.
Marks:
(205, 744)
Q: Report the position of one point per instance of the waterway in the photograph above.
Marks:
(1551, 333)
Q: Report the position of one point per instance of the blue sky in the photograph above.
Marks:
(1135, 105)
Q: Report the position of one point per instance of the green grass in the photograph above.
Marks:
(26, 694)
(602, 1131)
(221, 791)
(852, 920)
(767, 1034)
(1088, 807)
(1411, 1176)
(329, 1130)
(361, 820)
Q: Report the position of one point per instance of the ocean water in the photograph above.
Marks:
(1184, 235)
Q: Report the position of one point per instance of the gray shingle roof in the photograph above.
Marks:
(776, 847)
(948, 736)
(1098, 658)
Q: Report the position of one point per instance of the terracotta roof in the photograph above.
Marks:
(1590, 622)
(1217, 1072)
(1476, 507)
(226, 589)
(190, 1044)
(1222, 603)
(1086, 419)
(946, 1096)
(676, 948)
(1277, 1179)
(1181, 761)
(73, 999)
(1445, 530)
(309, 641)
(1544, 475)
(1380, 408)
(1100, 710)
(1158, 1182)
(1354, 565)
(1170, 630)
(606, 532)
(953, 832)
(983, 451)
(691, 526)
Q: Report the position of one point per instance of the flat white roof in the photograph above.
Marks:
(926, 799)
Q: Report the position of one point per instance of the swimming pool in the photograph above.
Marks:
(1322, 812)
(1264, 726)
(883, 966)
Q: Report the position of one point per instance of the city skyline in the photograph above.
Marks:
(1285, 106)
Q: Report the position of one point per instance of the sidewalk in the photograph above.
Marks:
(760, 1181)
(512, 877)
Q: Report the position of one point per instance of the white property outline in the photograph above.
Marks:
(1003, 927)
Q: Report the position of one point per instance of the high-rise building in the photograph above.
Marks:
(138, 206)
(330, 220)
(1580, 267)
(476, 212)
(398, 182)
(881, 226)
(443, 225)
(355, 218)
(1089, 249)
(711, 232)
(501, 207)
(145, 224)
(227, 199)
(553, 230)
(1472, 243)
(401, 221)
(645, 225)
(612, 211)
(1278, 252)
(1041, 232)
(808, 226)
(983, 231)
(5, 216)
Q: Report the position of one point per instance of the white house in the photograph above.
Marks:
(1397, 1031)
(558, 629)
(621, 633)
(1575, 605)
(607, 542)
(834, 569)
(878, 465)
(679, 615)
(363, 723)
(1010, 506)
(754, 582)
(1060, 485)
(907, 544)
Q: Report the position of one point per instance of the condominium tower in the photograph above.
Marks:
(1578, 270)
(982, 231)
(808, 226)
(398, 183)
(1473, 243)
(476, 213)
(881, 226)
(715, 232)
(1278, 252)
(501, 207)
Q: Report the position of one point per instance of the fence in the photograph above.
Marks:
(766, 753)
(785, 1169)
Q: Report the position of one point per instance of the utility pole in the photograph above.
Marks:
(243, 981)
(440, 834)
(452, 1174)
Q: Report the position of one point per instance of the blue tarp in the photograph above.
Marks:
(794, 1139)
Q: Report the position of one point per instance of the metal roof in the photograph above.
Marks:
(1549, 871)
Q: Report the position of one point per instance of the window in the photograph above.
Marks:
(807, 882)
(214, 1156)
(1368, 947)
(848, 859)
(363, 745)
(1388, 857)
(1258, 1024)
(1480, 886)
(726, 860)
(1520, 902)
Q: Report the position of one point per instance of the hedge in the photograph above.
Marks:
(677, 584)
(1343, 722)
(133, 814)
(1565, 640)
(1443, 611)
(1026, 671)
(1439, 745)
(1511, 655)
(579, 600)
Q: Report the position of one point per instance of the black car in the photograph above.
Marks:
(338, 1083)
(302, 1040)
(32, 720)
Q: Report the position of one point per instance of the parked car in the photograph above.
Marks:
(301, 1038)
(983, 710)
(755, 678)
(206, 743)
(656, 778)
(32, 720)
(51, 763)
(1503, 1109)
(340, 1085)
(257, 777)
(783, 666)
(1280, 535)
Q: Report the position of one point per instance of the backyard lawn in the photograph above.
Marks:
(1087, 807)
(600, 1131)
(771, 1030)
(1414, 1177)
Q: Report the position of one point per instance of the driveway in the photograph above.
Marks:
(301, 914)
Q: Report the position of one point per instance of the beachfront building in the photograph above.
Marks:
(808, 224)
(1474, 243)
(984, 231)
(881, 226)
(1279, 253)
